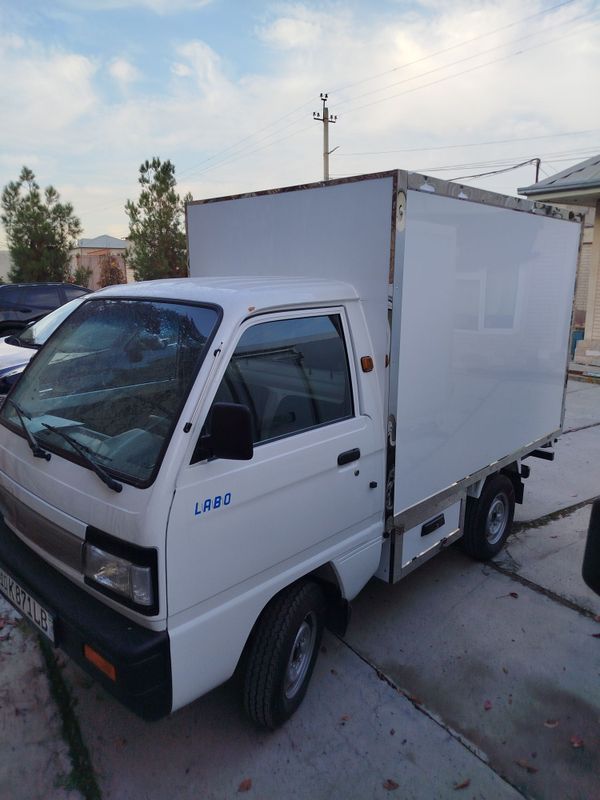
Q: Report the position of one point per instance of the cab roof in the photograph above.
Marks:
(239, 295)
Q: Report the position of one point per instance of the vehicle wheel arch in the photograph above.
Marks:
(336, 612)
(288, 630)
(488, 518)
(513, 473)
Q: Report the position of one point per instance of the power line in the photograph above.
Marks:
(464, 72)
(453, 47)
(516, 166)
(568, 154)
(250, 136)
(470, 57)
(240, 150)
(275, 123)
(497, 171)
(478, 175)
(245, 151)
(469, 144)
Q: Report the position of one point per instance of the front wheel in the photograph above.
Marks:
(282, 654)
(488, 519)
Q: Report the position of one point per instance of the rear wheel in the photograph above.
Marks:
(488, 519)
(282, 654)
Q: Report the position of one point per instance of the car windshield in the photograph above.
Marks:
(114, 378)
(35, 335)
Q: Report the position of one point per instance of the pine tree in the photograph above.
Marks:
(41, 231)
(156, 230)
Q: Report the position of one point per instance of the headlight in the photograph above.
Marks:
(118, 575)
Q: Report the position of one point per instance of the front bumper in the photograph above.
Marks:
(141, 656)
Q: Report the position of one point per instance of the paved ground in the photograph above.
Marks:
(464, 680)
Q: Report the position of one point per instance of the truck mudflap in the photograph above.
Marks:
(134, 663)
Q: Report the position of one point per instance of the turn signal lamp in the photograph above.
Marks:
(366, 363)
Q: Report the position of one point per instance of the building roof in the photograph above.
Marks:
(104, 242)
(576, 185)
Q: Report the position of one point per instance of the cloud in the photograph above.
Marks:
(42, 88)
(181, 70)
(198, 61)
(162, 7)
(230, 127)
(300, 29)
(123, 71)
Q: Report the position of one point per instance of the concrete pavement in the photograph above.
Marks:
(466, 675)
(34, 758)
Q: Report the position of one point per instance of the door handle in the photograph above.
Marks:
(348, 456)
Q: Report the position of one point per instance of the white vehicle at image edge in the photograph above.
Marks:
(197, 475)
(17, 350)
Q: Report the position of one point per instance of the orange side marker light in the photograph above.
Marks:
(101, 663)
(366, 363)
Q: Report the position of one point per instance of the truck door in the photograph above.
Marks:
(310, 484)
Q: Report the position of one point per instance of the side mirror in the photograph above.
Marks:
(230, 432)
(591, 558)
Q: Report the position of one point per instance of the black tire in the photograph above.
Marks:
(282, 654)
(488, 520)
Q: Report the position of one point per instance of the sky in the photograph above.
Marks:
(226, 89)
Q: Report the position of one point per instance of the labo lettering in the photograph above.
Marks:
(212, 503)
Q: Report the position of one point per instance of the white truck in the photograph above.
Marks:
(197, 475)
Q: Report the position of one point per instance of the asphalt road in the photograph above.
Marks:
(463, 680)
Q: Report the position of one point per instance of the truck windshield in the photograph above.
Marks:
(114, 378)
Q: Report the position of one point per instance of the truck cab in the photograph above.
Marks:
(111, 474)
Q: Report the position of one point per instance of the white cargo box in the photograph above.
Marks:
(468, 300)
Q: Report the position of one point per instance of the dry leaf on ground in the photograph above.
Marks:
(526, 765)
(576, 742)
(463, 785)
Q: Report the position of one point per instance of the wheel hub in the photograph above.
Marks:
(497, 518)
(301, 655)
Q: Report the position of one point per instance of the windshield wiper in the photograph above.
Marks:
(37, 451)
(83, 452)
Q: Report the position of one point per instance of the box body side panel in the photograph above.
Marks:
(486, 307)
(334, 231)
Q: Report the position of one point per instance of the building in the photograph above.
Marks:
(91, 255)
(5, 265)
(579, 186)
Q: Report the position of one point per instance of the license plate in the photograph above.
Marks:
(27, 605)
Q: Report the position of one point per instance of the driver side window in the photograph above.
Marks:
(292, 374)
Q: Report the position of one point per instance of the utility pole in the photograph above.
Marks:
(325, 118)
(537, 162)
